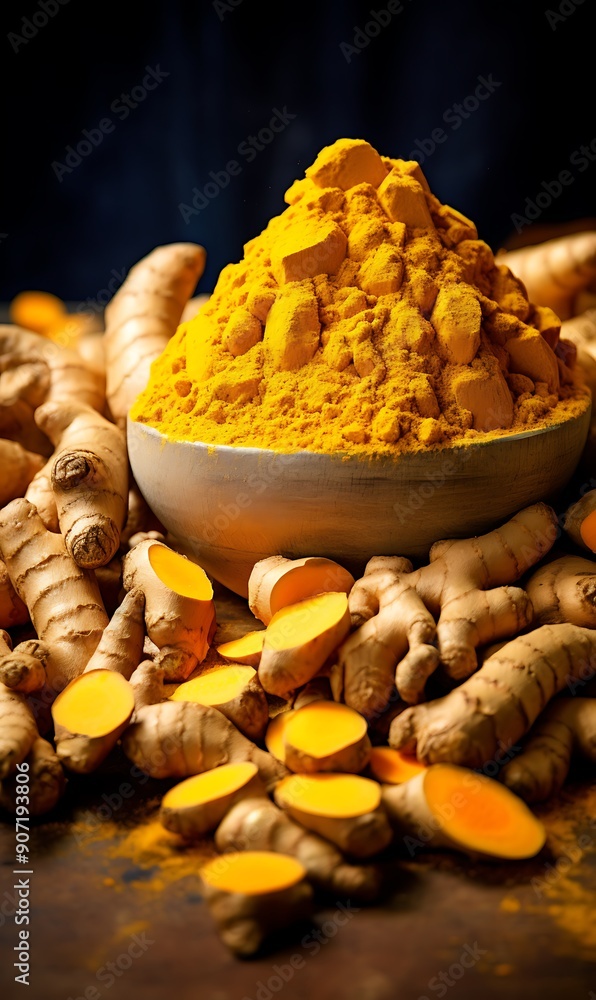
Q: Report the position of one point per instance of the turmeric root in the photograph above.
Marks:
(236, 693)
(564, 591)
(71, 378)
(391, 767)
(343, 808)
(176, 739)
(252, 894)
(46, 781)
(580, 522)
(41, 494)
(89, 477)
(258, 824)
(142, 317)
(147, 685)
(197, 805)
(299, 639)
(179, 608)
(462, 587)
(447, 806)
(63, 599)
(12, 609)
(325, 736)
(93, 711)
(23, 668)
(277, 582)
(554, 272)
(18, 730)
(495, 707)
(17, 469)
(246, 650)
(567, 725)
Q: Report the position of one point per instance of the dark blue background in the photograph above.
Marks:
(227, 72)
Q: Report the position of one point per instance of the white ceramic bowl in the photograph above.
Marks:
(233, 506)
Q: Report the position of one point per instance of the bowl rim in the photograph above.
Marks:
(228, 449)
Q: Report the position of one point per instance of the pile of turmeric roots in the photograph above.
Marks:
(358, 717)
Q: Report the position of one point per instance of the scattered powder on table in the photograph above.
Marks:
(366, 318)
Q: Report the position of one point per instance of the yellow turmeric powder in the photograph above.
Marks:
(367, 317)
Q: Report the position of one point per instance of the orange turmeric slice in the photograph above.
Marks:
(247, 649)
(392, 766)
(253, 872)
(326, 736)
(465, 811)
(198, 804)
(343, 808)
(37, 311)
(235, 691)
(299, 639)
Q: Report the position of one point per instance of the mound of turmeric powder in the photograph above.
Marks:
(367, 317)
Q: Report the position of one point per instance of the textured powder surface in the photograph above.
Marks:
(366, 318)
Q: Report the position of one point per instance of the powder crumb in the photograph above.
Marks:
(509, 904)
(370, 295)
(504, 970)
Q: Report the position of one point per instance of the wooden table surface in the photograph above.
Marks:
(116, 911)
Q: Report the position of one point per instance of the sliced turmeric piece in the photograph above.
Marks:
(260, 825)
(247, 649)
(275, 735)
(580, 521)
(326, 736)
(235, 691)
(277, 582)
(299, 639)
(198, 804)
(36, 311)
(392, 767)
(179, 608)
(464, 811)
(95, 703)
(343, 808)
(93, 711)
(250, 894)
